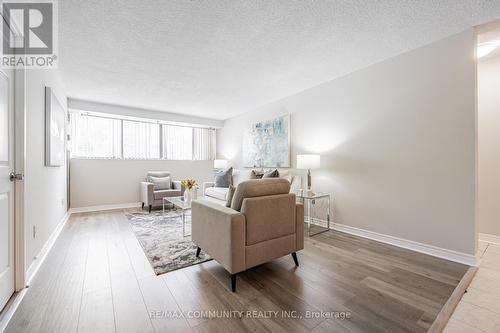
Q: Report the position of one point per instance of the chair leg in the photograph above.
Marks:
(233, 283)
(294, 256)
(150, 207)
(198, 252)
(143, 205)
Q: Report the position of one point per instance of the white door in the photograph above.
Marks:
(6, 186)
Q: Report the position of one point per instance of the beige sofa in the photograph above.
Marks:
(154, 198)
(263, 223)
(219, 194)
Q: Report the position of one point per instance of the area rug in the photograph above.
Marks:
(162, 241)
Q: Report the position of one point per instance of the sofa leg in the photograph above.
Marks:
(143, 205)
(294, 256)
(198, 252)
(233, 283)
(150, 207)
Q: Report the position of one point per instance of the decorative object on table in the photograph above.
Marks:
(220, 164)
(267, 143)
(310, 200)
(152, 195)
(223, 178)
(55, 124)
(309, 162)
(161, 238)
(190, 189)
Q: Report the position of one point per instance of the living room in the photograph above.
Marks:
(250, 166)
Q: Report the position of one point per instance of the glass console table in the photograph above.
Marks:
(309, 200)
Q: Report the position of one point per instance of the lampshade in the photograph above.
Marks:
(308, 161)
(220, 164)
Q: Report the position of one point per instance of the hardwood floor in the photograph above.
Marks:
(97, 279)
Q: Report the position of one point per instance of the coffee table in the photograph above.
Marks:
(184, 206)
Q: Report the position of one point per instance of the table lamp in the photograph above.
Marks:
(309, 162)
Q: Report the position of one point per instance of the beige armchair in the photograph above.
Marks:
(154, 198)
(263, 223)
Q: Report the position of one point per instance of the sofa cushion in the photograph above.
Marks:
(158, 195)
(157, 174)
(223, 178)
(258, 187)
(256, 174)
(217, 192)
(161, 183)
(271, 174)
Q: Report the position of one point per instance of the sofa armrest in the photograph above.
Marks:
(147, 195)
(207, 185)
(299, 225)
(220, 232)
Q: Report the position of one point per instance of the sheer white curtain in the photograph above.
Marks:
(177, 142)
(203, 144)
(95, 137)
(141, 140)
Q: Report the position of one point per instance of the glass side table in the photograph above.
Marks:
(184, 206)
(309, 199)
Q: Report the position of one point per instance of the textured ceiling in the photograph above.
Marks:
(219, 58)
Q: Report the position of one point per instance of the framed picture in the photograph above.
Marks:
(55, 125)
(267, 143)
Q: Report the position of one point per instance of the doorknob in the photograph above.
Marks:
(16, 176)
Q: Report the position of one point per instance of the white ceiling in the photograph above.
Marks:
(220, 58)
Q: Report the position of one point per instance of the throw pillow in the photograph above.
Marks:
(161, 183)
(271, 174)
(256, 175)
(230, 194)
(223, 178)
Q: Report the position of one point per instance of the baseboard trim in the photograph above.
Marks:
(31, 272)
(489, 238)
(40, 258)
(435, 251)
(99, 208)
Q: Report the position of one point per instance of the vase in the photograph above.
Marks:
(188, 196)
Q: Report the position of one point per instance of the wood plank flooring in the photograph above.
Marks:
(97, 279)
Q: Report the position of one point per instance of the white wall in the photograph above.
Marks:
(488, 145)
(397, 141)
(45, 187)
(96, 182)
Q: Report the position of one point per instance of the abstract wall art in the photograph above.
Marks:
(267, 143)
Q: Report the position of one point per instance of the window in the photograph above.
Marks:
(177, 142)
(203, 144)
(141, 140)
(95, 136)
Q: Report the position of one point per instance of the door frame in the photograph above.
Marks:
(19, 165)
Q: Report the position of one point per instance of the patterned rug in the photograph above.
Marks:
(162, 241)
